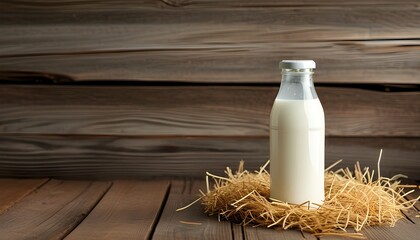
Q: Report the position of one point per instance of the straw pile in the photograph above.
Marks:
(352, 200)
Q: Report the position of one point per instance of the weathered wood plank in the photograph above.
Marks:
(128, 211)
(263, 233)
(195, 111)
(404, 229)
(115, 157)
(331, 237)
(191, 223)
(379, 61)
(413, 213)
(414, 195)
(89, 5)
(229, 43)
(155, 28)
(14, 190)
(237, 231)
(52, 211)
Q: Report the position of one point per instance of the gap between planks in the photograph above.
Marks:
(89, 211)
(52, 211)
(129, 210)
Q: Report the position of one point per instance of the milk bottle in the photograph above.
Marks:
(297, 136)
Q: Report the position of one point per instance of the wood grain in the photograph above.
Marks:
(52, 211)
(89, 5)
(156, 28)
(263, 233)
(331, 237)
(191, 223)
(211, 41)
(414, 212)
(124, 157)
(404, 229)
(14, 190)
(128, 211)
(379, 61)
(237, 232)
(195, 111)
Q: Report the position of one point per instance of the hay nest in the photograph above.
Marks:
(352, 200)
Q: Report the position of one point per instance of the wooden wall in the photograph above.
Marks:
(111, 89)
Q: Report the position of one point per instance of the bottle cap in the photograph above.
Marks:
(297, 64)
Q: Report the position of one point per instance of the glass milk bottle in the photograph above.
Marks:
(297, 137)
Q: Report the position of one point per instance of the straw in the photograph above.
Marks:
(352, 200)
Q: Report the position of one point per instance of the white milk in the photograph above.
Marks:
(297, 133)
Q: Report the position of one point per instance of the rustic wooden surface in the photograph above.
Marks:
(403, 230)
(251, 232)
(136, 210)
(189, 224)
(52, 211)
(210, 41)
(87, 157)
(217, 61)
(195, 111)
(13, 190)
(111, 132)
(128, 211)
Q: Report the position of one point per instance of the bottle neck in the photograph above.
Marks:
(297, 84)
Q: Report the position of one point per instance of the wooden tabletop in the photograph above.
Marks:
(67, 209)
